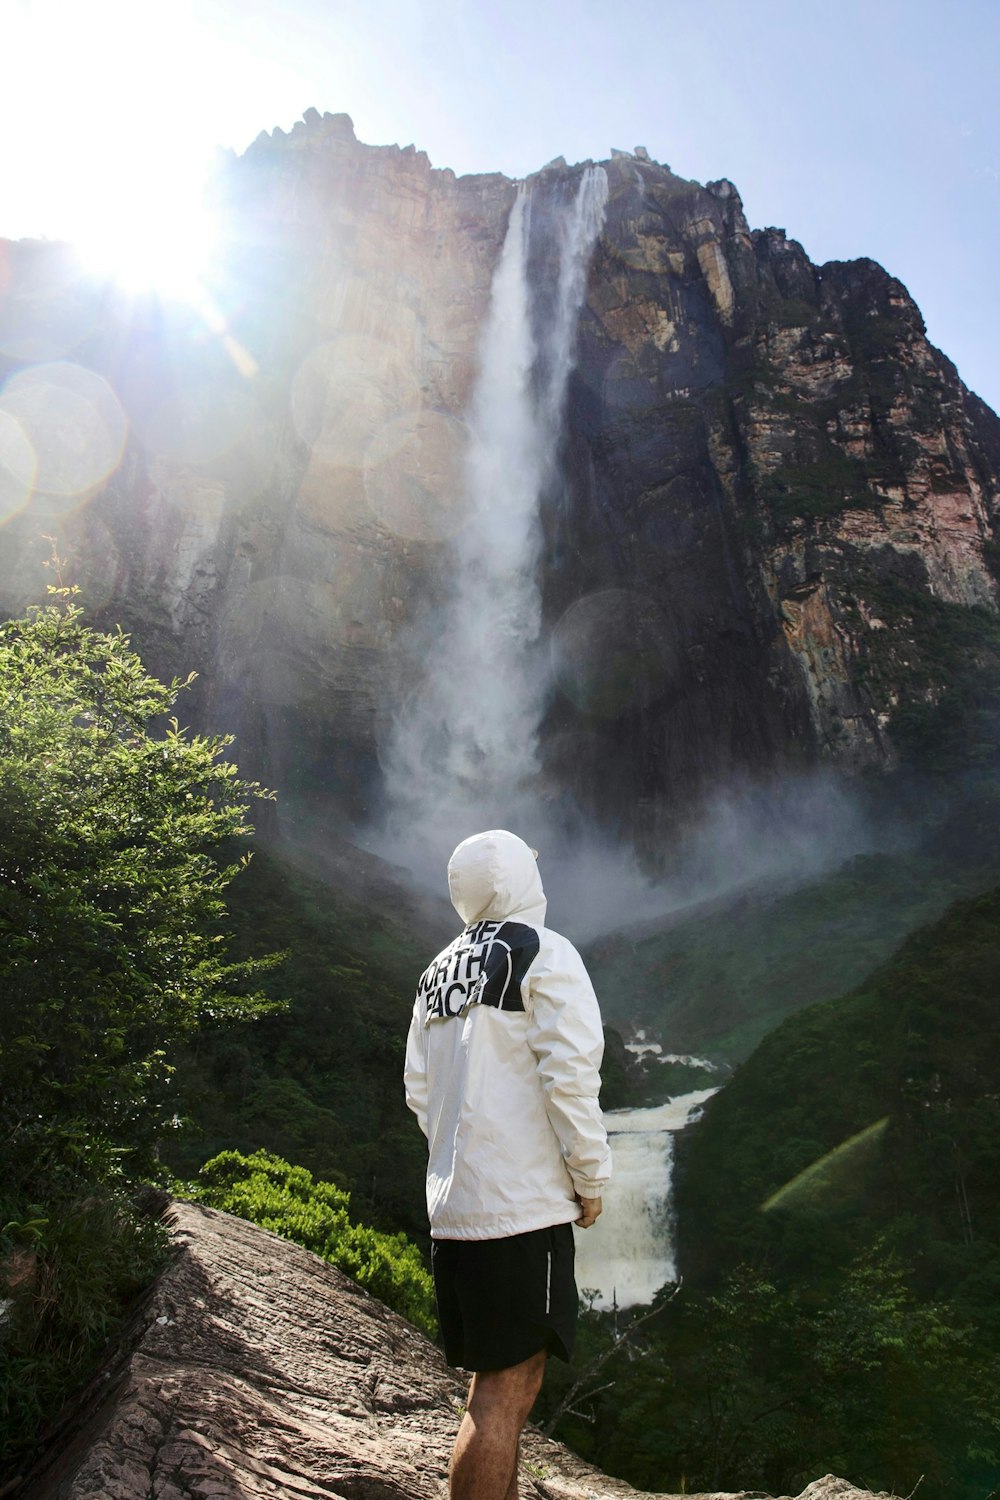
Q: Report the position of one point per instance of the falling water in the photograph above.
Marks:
(463, 748)
(629, 1253)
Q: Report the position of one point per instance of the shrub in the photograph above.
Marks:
(289, 1201)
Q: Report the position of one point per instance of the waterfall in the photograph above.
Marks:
(629, 1253)
(463, 747)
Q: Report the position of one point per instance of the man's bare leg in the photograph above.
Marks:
(484, 1460)
(513, 1493)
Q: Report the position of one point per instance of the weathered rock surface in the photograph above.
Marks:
(256, 1370)
(761, 449)
(760, 455)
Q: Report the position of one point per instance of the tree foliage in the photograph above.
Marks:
(918, 1046)
(839, 1215)
(319, 1083)
(112, 823)
(119, 833)
(765, 1384)
(71, 1266)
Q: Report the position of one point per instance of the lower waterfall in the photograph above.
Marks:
(629, 1253)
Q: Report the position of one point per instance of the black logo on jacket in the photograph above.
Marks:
(485, 965)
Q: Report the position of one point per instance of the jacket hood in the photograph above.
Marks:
(494, 876)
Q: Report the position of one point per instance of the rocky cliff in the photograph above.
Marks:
(767, 445)
(256, 1370)
(770, 485)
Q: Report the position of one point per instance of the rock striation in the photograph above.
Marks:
(256, 1370)
(766, 468)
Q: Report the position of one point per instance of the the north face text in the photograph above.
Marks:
(485, 965)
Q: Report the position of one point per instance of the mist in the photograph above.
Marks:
(787, 830)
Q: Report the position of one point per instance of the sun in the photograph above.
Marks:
(118, 160)
(158, 240)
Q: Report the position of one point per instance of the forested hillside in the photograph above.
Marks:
(895, 1091)
(839, 1218)
(715, 979)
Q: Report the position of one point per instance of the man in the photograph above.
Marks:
(502, 1073)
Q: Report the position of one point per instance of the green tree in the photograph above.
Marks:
(119, 833)
(117, 828)
(766, 1385)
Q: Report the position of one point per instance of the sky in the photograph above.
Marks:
(863, 128)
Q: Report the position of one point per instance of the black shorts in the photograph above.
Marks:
(501, 1301)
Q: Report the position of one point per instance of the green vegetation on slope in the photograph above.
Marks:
(839, 1208)
(319, 1084)
(768, 1385)
(717, 980)
(792, 1170)
(917, 1045)
(116, 832)
(74, 1258)
(291, 1202)
(823, 485)
(114, 827)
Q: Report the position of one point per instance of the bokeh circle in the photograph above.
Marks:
(73, 421)
(612, 652)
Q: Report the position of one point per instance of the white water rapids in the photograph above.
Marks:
(629, 1253)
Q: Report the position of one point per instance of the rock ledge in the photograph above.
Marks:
(256, 1370)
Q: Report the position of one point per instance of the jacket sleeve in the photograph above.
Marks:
(415, 1067)
(566, 1036)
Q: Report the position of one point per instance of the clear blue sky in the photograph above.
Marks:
(862, 128)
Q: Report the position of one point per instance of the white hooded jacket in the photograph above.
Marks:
(503, 1055)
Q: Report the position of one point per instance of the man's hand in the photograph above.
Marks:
(590, 1211)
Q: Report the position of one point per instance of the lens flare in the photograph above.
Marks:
(200, 423)
(151, 244)
(612, 651)
(48, 307)
(18, 466)
(834, 1177)
(72, 420)
(290, 622)
(345, 392)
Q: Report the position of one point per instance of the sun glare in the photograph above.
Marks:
(125, 182)
(162, 246)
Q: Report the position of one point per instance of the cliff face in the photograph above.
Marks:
(759, 447)
(761, 460)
